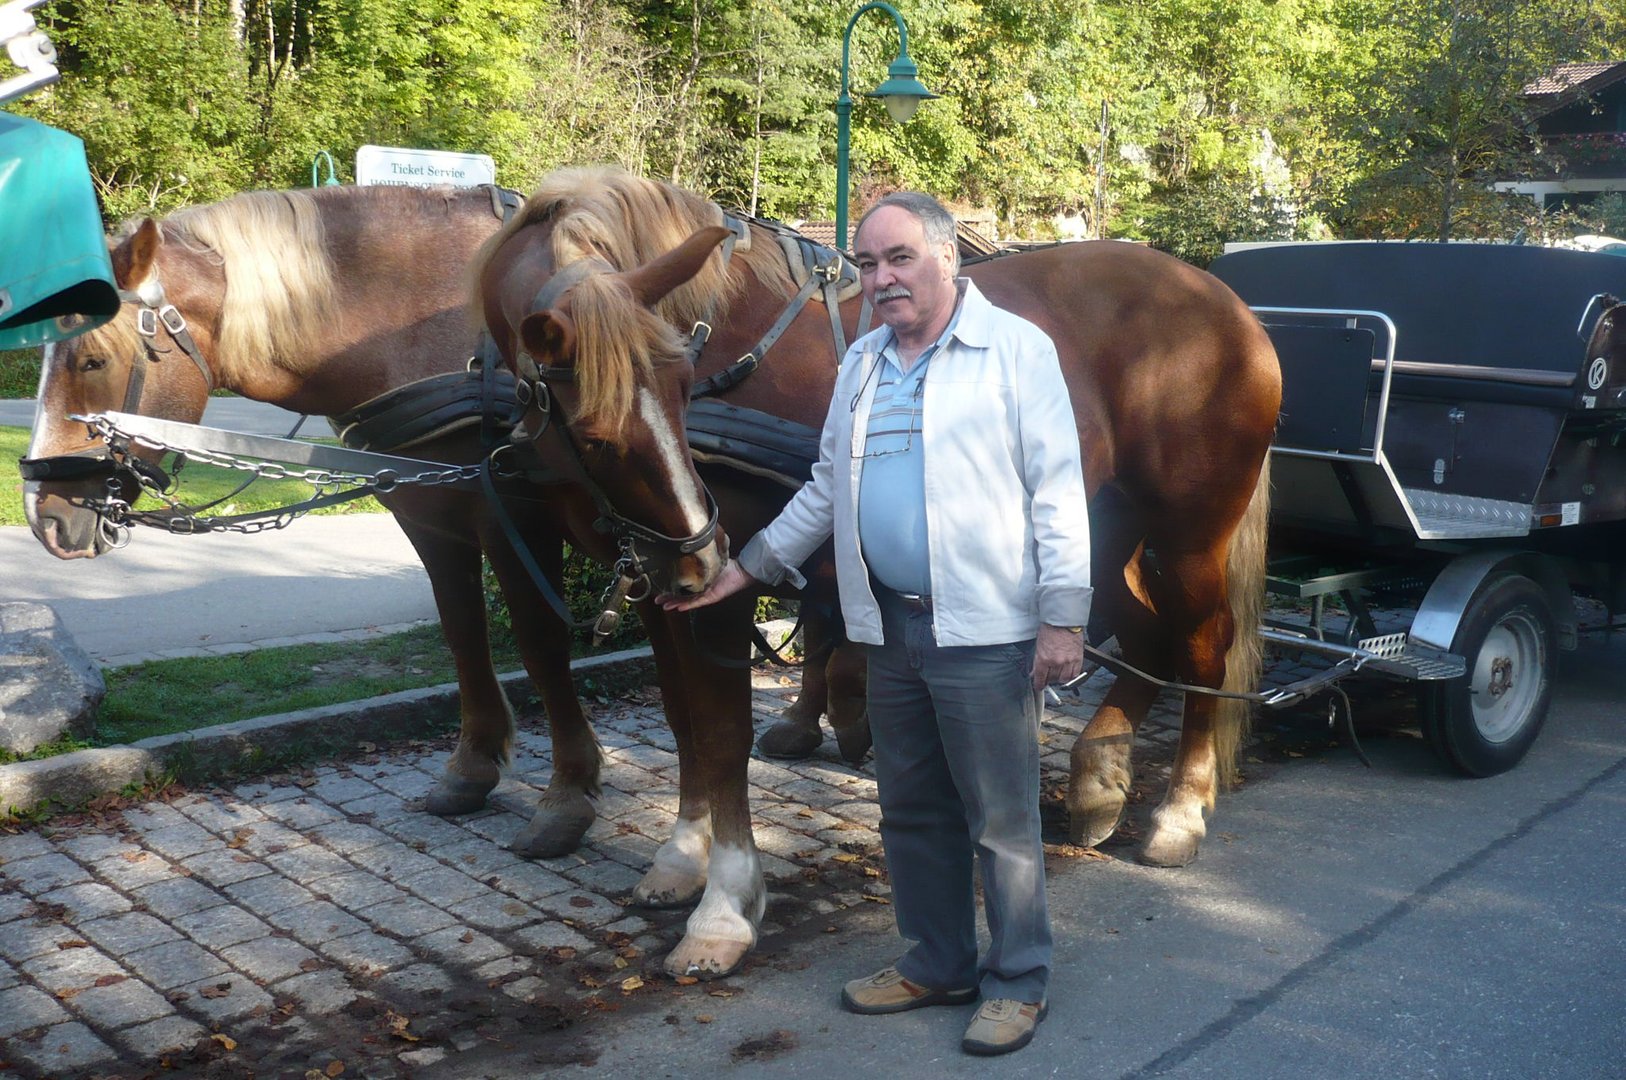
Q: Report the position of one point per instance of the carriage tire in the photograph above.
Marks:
(1485, 722)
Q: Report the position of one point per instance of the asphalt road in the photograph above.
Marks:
(1340, 922)
(163, 595)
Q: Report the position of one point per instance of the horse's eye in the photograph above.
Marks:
(92, 363)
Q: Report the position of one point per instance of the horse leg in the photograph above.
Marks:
(678, 873)
(1194, 605)
(1102, 759)
(723, 928)
(486, 732)
(565, 811)
(846, 672)
(797, 733)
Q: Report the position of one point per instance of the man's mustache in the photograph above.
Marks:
(896, 292)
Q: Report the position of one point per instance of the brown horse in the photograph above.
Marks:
(590, 292)
(318, 301)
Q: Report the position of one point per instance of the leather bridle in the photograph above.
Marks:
(153, 311)
(537, 397)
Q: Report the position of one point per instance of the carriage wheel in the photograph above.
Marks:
(1484, 723)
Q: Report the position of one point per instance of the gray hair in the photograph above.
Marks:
(935, 220)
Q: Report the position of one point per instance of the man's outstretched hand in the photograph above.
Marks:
(732, 580)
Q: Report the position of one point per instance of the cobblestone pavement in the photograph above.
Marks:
(320, 917)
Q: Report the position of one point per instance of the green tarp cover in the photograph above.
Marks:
(55, 277)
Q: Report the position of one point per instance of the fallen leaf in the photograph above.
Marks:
(398, 1026)
(721, 993)
(628, 985)
(226, 1041)
(580, 901)
(70, 993)
(846, 858)
(685, 980)
(310, 963)
(109, 980)
(334, 1068)
(620, 963)
(239, 838)
(590, 982)
(466, 936)
(515, 908)
(704, 1018)
(73, 943)
(876, 899)
(218, 990)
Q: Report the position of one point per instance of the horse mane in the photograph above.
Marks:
(607, 213)
(279, 299)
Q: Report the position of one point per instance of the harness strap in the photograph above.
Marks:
(522, 550)
(155, 310)
(739, 369)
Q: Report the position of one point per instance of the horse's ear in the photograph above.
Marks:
(653, 280)
(549, 336)
(133, 260)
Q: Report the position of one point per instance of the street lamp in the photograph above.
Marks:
(902, 94)
(332, 180)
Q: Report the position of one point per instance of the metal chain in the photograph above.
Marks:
(181, 520)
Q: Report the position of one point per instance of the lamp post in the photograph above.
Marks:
(902, 94)
(332, 180)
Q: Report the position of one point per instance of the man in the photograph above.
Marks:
(949, 475)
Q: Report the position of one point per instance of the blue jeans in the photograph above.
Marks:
(957, 762)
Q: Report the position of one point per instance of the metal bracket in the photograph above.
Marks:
(28, 48)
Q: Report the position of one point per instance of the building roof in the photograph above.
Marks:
(1570, 82)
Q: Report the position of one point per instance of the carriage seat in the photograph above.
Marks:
(1493, 323)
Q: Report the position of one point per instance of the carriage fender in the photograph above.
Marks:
(1442, 610)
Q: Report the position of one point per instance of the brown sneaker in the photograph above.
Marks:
(1002, 1025)
(887, 991)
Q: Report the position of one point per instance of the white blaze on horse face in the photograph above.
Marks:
(676, 463)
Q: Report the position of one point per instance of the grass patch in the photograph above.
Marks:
(166, 696)
(198, 484)
(65, 745)
(19, 372)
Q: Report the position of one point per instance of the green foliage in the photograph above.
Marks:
(1225, 119)
(19, 373)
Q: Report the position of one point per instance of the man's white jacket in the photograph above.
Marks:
(1006, 523)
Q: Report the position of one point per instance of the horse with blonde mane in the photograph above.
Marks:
(319, 301)
(590, 293)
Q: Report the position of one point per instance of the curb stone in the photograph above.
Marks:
(74, 778)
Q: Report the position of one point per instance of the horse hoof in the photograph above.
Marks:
(664, 888)
(457, 795)
(787, 739)
(1169, 848)
(706, 958)
(854, 742)
(1089, 827)
(556, 829)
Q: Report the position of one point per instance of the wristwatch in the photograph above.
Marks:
(1073, 629)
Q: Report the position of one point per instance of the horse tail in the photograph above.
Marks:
(1245, 576)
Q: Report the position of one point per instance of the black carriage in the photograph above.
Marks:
(1449, 444)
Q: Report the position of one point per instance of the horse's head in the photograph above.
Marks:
(149, 359)
(609, 386)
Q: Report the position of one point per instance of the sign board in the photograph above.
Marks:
(404, 167)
